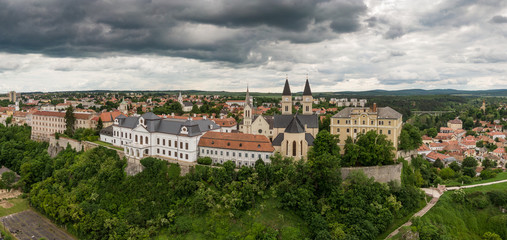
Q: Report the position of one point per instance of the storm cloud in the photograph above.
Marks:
(223, 30)
(343, 45)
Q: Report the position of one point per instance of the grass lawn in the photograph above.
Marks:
(19, 205)
(265, 216)
(499, 176)
(400, 221)
(109, 145)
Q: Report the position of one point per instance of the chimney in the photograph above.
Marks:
(374, 107)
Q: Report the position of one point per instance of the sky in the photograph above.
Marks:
(342, 45)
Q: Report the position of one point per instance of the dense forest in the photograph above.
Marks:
(90, 194)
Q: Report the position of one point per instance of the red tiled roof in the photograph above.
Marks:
(423, 147)
(426, 138)
(499, 150)
(225, 122)
(435, 156)
(236, 141)
(109, 116)
(456, 121)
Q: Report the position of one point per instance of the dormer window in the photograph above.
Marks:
(241, 145)
(258, 146)
(210, 126)
(212, 142)
(228, 144)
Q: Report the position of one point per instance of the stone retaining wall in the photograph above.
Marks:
(380, 173)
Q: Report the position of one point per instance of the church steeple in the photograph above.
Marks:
(247, 114)
(247, 98)
(307, 99)
(286, 99)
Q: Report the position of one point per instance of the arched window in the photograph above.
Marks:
(287, 148)
(301, 147)
(294, 146)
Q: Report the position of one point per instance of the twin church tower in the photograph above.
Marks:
(291, 134)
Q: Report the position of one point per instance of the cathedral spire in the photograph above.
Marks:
(307, 91)
(286, 88)
(247, 99)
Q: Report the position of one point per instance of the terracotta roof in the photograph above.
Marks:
(62, 114)
(225, 122)
(20, 114)
(499, 150)
(438, 144)
(236, 141)
(435, 156)
(446, 129)
(456, 121)
(109, 116)
(469, 142)
(423, 147)
(452, 148)
(426, 138)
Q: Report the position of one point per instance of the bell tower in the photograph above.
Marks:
(307, 99)
(286, 99)
(247, 114)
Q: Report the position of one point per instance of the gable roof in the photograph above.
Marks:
(294, 126)
(236, 141)
(283, 121)
(170, 125)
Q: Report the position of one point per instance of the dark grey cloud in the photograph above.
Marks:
(224, 30)
(458, 13)
(499, 19)
(395, 31)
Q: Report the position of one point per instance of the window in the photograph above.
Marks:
(388, 131)
(286, 108)
(337, 130)
(186, 156)
(202, 151)
(158, 151)
(355, 121)
(169, 153)
(221, 153)
(233, 154)
(181, 155)
(146, 138)
(239, 154)
(260, 131)
(380, 131)
(348, 130)
(355, 130)
(371, 122)
(158, 141)
(176, 144)
(163, 152)
(163, 141)
(169, 142)
(253, 155)
(207, 151)
(389, 122)
(181, 145)
(364, 122)
(267, 156)
(186, 146)
(338, 121)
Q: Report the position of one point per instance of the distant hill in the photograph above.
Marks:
(406, 92)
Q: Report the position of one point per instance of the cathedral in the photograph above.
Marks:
(291, 134)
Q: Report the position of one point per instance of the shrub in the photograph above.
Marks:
(447, 173)
(465, 179)
(458, 196)
(204, 160)
(487, 174)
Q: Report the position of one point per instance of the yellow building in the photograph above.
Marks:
(353, 121)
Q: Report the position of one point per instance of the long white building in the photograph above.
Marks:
(151, 135)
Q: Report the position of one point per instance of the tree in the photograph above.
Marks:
(432, 132)
(8, 121)
(486, 163)
(455, 166)
(479, 144)
(447, 173)
(469, 165)
(372, 149)
(324, 162)
(438, 164)
(410, 138)
(100, 124)
(491, 236)
(70, 121)
(8, 179)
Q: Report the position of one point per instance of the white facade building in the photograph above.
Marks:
(151, 135)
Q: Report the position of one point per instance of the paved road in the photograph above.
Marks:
(436, 193)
